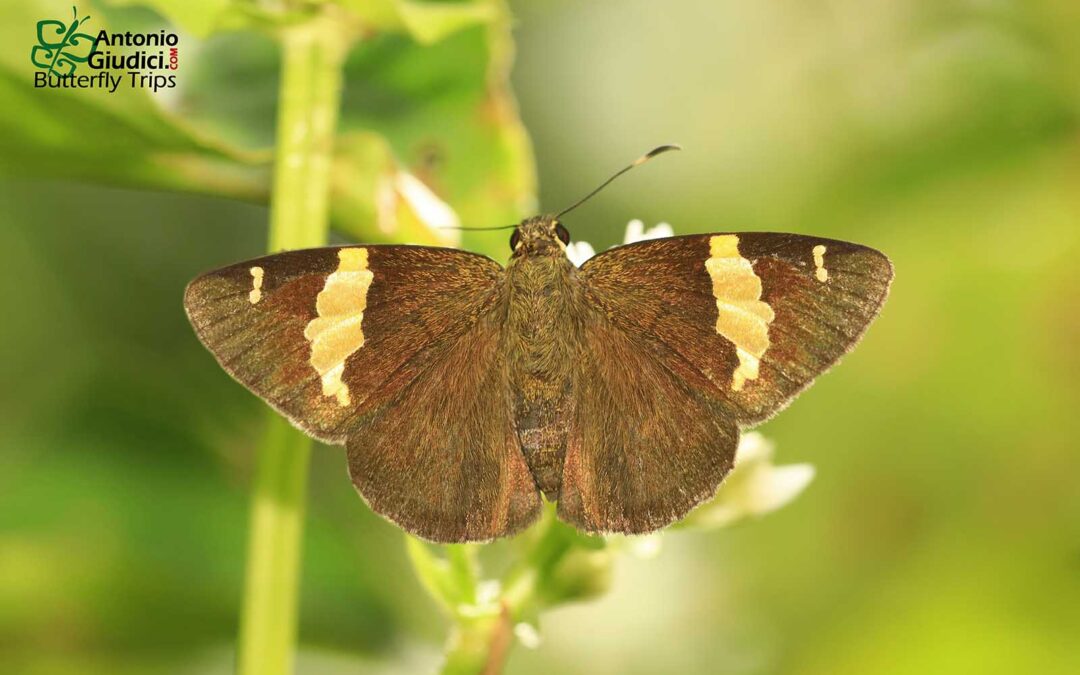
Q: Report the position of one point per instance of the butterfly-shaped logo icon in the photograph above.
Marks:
(60, 47)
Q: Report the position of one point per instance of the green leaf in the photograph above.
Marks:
(451, 581)
(376, 199)
(580, 574)
(430, 22)
(569, 565)
(463, 568)
(198, 17)
(443, 114)
(558, 564)
(122, 137)
(437, 117)
(426, 21)
(449, 116)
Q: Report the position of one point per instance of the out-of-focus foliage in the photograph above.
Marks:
(123, 137)
(426, 94)
(942, 532)
(554, 565)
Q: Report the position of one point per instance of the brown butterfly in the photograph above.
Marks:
(463, 390)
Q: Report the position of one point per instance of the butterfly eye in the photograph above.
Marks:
(562, 233)
(515, 239)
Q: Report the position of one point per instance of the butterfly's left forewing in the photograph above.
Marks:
(325, 334)
(394, 351)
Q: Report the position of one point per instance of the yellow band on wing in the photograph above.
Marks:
(337, 332)
(820, 272)
(256, 285)
(742, 317)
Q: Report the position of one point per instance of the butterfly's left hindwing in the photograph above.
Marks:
(754, 317)
(442, 457)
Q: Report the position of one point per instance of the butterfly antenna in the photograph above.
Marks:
(477, 229)
(637, 162)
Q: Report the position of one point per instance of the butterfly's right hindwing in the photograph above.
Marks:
(684, 341)
(645, 443)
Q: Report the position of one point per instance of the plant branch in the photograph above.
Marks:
(480, 644)
(556, 565)
(309, 98)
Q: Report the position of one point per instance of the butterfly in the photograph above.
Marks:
(463, 390)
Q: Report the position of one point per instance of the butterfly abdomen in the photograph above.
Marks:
(542, 351)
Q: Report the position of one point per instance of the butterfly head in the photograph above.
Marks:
(541, 235)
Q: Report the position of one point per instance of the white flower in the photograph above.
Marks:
(527, 634)
(635, 231)
(434, 212)
(580, 251)
(400, 194)
(645, 546)
(755, 486)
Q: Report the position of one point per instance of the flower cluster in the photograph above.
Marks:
(580, 251)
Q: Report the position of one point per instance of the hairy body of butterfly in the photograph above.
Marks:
(462, 390)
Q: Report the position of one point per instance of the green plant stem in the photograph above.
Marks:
(481, 643)
(556, 565)
(268, 622)
(309, 98)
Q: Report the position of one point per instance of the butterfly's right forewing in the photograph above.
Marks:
(687, 339)
(755, 316)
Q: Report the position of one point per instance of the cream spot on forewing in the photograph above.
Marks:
(742, 317)
(821, 273)
(337, 332)
(256, 285)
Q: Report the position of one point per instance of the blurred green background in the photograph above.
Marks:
(942, 534)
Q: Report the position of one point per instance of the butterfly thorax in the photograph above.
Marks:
(541, 340)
